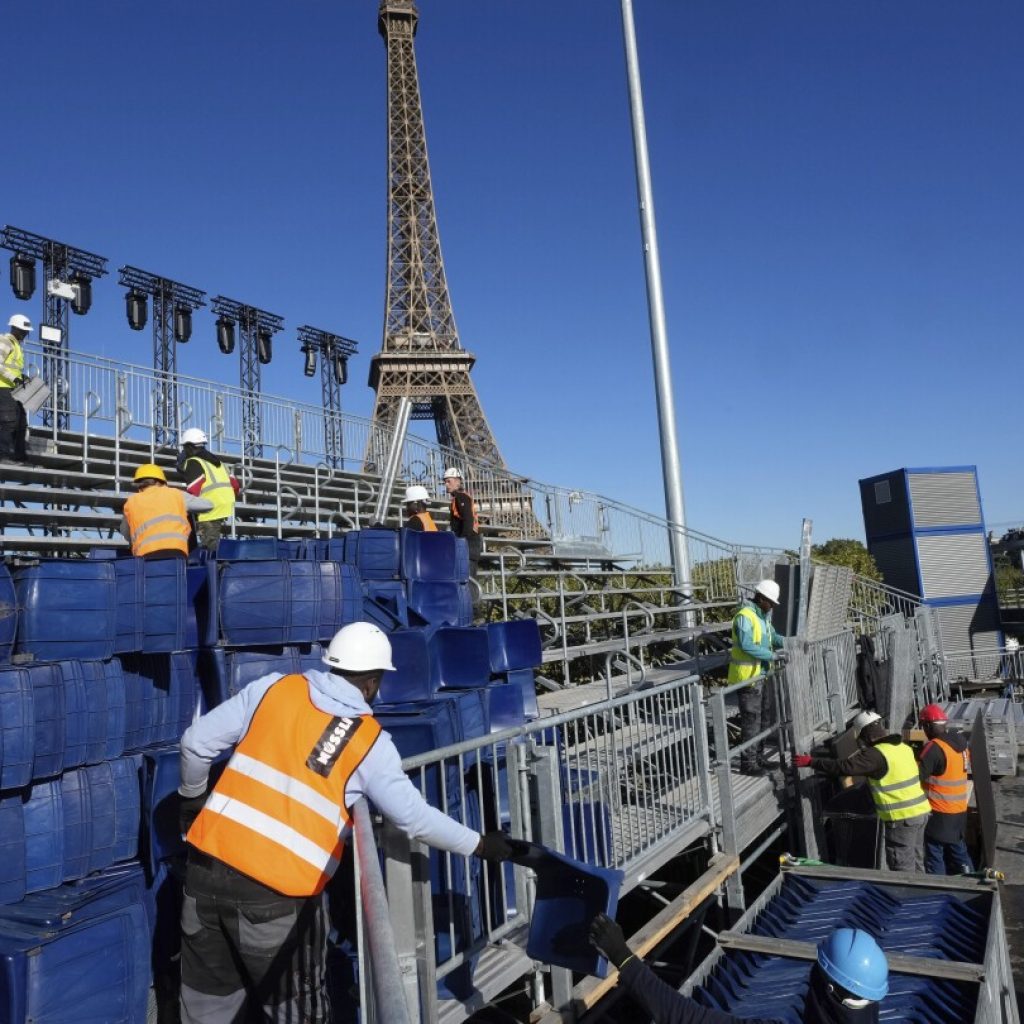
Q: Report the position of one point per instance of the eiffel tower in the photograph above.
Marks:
(421, 356)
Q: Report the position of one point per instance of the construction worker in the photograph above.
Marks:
(268, 838)
(155, 519)
(847, 983)
(944, 764)
(755, 647)
(13, 422)
(892, 773)
(417, 515)
(463, 522)
(207, 477)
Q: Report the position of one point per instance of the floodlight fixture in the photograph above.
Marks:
(23, 276)
(225, 335)
(81, 301)
(136, 309)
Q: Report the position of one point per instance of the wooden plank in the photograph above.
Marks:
(954, 970)
(590, 990)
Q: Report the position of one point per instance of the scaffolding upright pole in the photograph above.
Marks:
(674, 509)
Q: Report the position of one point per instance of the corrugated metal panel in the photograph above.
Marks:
(953, 564)
(896, 562)
(967, 627)
(829, 601)
(944, 499)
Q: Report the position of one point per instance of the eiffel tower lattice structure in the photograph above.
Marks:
(421, 356)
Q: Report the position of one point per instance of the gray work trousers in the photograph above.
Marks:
(904, 844)
(248, 952)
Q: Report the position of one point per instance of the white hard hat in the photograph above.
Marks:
(20, 321)
(865, 718)
(450, 472)
(194, 436)
(416, 493)
(359, 647)
(769, 589)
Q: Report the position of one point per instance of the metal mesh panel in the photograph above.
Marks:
(944, 499)
(953, 564)
(896, 562)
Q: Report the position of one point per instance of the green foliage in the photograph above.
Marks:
(1009, 583)
(851, 553)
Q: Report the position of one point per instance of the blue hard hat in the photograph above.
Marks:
(852, 959)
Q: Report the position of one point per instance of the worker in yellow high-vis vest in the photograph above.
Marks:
(13, 425)
(205, 476)
(755, 646)
(893, 777)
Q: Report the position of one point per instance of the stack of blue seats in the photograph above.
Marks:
(911, 922)
(105, 661)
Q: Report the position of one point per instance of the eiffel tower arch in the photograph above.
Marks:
(421, 357)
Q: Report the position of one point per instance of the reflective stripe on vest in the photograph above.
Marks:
(216, 488)
(743, 666)
(157, 521)
(428, 523)
(947, 793)
(12, 360)
(898, 794)
(453, 508)
(278, 812)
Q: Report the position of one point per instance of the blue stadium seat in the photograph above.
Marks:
(269, 602)
(43, 811)
(223, 673)
(17, 728)
(461, 559)
(429, 557)
(505, 706)
(341, 597)
(163, 612)
(255, 549)
(464, 613)
(161, 692)
(88, 967)
(94, 702)
(290, 549)
(8, 615)
(115, 808)
(67, 610)
(385, 604)
(514, 645)
(12, 849)
(375, 553)
(76, 829)
(568, 895)
(411, 680)
(127, 619)
(459, 657)
(523, 678)
(50, 720)
(200, 623)
(435, 604)
(161, 838)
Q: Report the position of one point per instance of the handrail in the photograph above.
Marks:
(389, 1006)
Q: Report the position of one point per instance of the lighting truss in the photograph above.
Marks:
(334, 352)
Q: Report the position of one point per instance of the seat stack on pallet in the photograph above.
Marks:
(105, 661)
(944, 922)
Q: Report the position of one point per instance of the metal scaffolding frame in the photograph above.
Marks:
(334, 352)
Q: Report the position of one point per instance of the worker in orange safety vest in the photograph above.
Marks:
(944, 764)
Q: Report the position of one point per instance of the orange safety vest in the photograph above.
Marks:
(278, 813)
(472, 504)
(424, 518)
(157, 521)
(947, 793)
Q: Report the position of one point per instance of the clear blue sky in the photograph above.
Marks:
(838, 191)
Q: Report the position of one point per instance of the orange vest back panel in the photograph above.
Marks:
(157, 521)
(278, 812)
(428, 523)
(947, 793)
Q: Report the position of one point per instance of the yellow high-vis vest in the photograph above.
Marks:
(12, 360)
(898, 795)
(216, 488)
(743, 667)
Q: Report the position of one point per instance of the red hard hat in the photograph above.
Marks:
(932, 713)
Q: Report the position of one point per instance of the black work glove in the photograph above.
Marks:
(188, 810)
(495, 846)
(607, 936)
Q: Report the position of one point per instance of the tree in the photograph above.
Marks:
(851, 553)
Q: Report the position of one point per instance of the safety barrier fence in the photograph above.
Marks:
(994, 665)
(871, 601)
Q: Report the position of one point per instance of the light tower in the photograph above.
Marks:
(421, 356)
(334, 352)
(68, 274)
(173, 306)
(256, 330)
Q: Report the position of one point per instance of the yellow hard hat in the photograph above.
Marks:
(149, 471)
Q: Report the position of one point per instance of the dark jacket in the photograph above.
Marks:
(667, 1006)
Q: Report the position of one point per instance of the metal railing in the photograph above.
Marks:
(115, 399)
(993, 665)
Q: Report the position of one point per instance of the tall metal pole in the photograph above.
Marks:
(674, 509)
